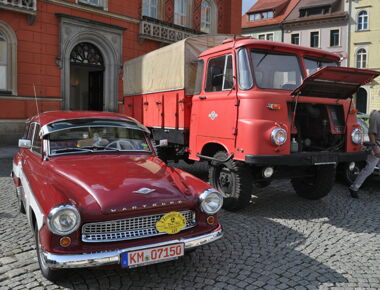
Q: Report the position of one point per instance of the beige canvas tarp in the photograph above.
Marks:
(168, 68)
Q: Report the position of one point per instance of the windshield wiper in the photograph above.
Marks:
(261, 59)
(70, 149)
(99, 148)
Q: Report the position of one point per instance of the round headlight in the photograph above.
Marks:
(279, 136)
(63, 220)
(357, 136)
(211, 201)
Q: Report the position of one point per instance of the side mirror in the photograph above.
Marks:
(24, 143)
(163, 143)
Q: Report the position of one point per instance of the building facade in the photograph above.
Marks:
(264, 19)
(68, 54)
(321, 24)
(365, 49)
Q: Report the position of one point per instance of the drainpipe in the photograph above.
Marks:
(349, 33)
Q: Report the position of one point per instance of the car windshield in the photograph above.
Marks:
(312, 65)
(276, 71)
(86, 139)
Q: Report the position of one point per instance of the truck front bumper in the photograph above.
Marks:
(305, 158)
(113, 257)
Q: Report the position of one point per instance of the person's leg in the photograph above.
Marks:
(372, 161)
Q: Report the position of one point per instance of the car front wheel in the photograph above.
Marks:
(48, 273)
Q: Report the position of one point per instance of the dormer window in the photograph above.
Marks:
(261, 15)
(314, 11)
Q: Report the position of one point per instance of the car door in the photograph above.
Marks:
(217, 103)
(32, 163)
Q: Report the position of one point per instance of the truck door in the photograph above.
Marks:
(215, 109)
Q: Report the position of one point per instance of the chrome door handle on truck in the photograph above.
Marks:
(202, 97)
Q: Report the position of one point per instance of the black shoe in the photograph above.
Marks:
(354, 193)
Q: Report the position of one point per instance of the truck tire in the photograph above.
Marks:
(233, 180)
(317, 186)
(48, 273)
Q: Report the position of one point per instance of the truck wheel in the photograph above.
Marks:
(317, 186)
(48, 273)
(233, 180)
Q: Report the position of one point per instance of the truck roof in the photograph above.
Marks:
(271, 45)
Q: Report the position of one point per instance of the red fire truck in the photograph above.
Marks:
(256, 110)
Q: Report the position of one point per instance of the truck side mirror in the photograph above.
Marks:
(24, 143)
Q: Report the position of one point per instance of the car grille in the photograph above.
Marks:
(129, 228)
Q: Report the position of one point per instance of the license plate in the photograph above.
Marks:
(152, 255)
(324, 159)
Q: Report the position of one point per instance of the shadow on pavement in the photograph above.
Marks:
(5, 167)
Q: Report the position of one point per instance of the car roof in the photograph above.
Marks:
(271, 45)
(55, 116)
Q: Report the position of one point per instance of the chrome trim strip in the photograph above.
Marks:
(113, 257)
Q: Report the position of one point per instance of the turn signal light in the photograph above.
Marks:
(274, 106)
(210, 220)
(65, 242)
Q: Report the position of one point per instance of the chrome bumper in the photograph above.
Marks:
(113, 257)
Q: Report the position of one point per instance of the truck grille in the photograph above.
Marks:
(129, 228)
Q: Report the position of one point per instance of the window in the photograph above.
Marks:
(220, 74)
(8, 60)
(314, 64)
(269, 36)
(150, 8)
(261, 15)
(295, 38)
(361, 58)
(334, 37)
(314, 11)
(208, 16)
(199, 77)
(261, 36)
(36, 146)
(3, 62)
(276, 71)
(362, 20)
(181, 10)
(314, 39)
(244, 70)
(97, 3)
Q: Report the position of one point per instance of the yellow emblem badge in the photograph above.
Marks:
(171, 223)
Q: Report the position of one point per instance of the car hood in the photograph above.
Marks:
(111, 181)
(335, 82)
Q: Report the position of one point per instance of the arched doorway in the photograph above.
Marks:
(86, 78)
(361, 100)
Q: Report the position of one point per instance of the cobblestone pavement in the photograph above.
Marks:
(279, 242)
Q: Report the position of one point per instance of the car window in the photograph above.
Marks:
(312, 65)
(36, 144)
(30, 132)
(276, 71)
(220, 74)
(97, 138)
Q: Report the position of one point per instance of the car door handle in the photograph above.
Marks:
(202, 97)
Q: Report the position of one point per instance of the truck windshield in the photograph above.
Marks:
(312, 65)
(276, 71)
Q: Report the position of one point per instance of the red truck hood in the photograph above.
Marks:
(108, 181)
(335, 82)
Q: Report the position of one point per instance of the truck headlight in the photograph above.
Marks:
(278, 136)
(211, 201)
(63, 220)
(357, 136)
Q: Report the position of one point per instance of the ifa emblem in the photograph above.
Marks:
(213, 115)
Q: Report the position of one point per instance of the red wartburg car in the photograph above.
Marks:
(95, 193)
